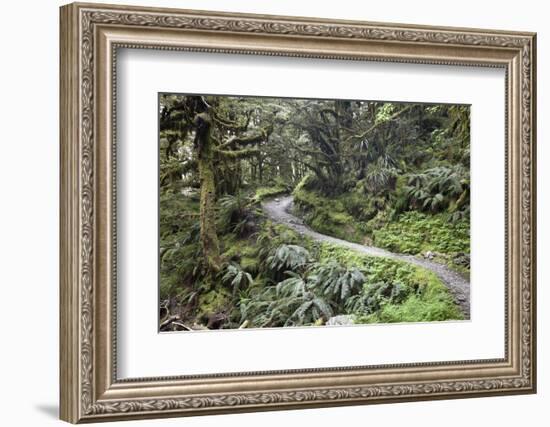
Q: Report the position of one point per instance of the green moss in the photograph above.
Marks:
(414, 309)
(361, 206)
(306, 183)
(328, 215)
(250, 264)
(169, 285)
(378, 269)
(394, 290)
(242, 251)
(346, 257)
(428, 298)
(354, 217)
(273, 235)
(414, 233)
(430, 302)
(177, 214)
(213, 301)
(232, 247)
(179, 247)
(263, 193)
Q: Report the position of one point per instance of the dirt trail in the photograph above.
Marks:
(279, 210)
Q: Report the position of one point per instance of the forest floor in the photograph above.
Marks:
(279, 210)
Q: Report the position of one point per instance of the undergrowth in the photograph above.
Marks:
(272, 276)
(396, 291)
(328, 216)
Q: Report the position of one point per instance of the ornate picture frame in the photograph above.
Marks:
(90, 37)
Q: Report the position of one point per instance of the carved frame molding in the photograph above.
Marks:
(90, 35)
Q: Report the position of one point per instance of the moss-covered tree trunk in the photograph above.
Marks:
(205, 150)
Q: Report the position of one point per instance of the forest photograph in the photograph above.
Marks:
(288, 212)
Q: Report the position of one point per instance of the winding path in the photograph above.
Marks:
(278, 210)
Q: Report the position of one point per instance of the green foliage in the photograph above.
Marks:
(263, 193)
(393, 287)
(380, 176)
(250, 264)
(312, 308)
(241, 251)
(295, 286)
(385, 112)
(271, 309)
(337, 281)
(327, 216)
(427, 301)
(179, 245)
(376, 173)
(288, 257)
(234, 213)
(376, 296)
(297, 300)
(439, 189)
(414, 309)
(416, 233)
(308, 182)
(265, 309)
(237, 278)
(270, 237)
(213, 301)
(179, 268)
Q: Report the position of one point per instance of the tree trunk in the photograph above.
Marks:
(260, 169)
(209, 237)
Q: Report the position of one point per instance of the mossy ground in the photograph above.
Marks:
(263, 193)
(422, 296)
(328, 216)
(415, 232)
(427, 298)
(356, 219)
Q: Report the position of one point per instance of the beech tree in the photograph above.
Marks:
(219, 143)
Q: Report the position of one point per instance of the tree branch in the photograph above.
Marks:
(315, 169)
(228, 124)
(374, 126)
(238, 154)
(254, 138)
